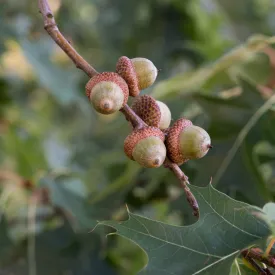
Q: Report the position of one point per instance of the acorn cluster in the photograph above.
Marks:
(149, 146)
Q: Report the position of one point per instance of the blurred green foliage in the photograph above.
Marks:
(51, 137)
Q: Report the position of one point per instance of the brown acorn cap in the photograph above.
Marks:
(173, 141)
(108, 77)
(126, 70)
(148, 110)
(137, 135)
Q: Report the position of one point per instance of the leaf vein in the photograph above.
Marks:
(182, 246)
(233, 225)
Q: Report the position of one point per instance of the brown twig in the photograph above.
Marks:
(131, 116)
(137, 123)
(52, 29)
(184, 183)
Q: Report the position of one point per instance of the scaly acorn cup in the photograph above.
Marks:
(154, 113)
(186, 141)
(108, 92)
(146, 147)
(139, 73)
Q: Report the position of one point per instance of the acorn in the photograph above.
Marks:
(146, 147)
(186, 141)
(139, 73)
(154, 113)
(108, 92)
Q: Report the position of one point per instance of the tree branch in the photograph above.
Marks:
(184, 183)
(52, 29)
(137, 123)
(131, 116)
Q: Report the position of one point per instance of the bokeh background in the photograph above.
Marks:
(62, 164)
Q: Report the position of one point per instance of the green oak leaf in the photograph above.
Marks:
(208, 246)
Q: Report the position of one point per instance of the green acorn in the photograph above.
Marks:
(186, 141)
(146, 147)
(139, 73)
(108, 92)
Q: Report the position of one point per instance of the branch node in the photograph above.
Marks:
(49, 15)
(50, 26)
